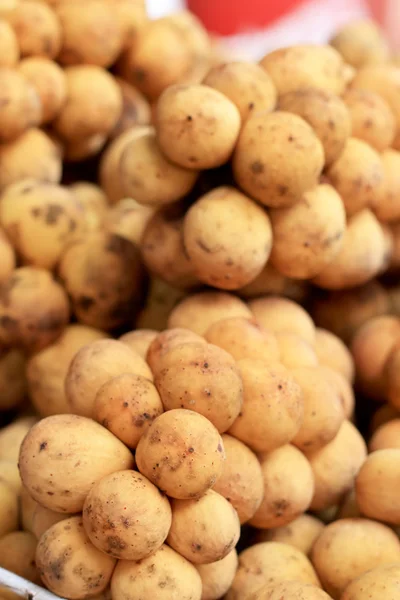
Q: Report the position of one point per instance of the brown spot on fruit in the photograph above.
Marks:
(196, 547)
(257, 167)
(53, 212)
(85, 303)
(57, 567)
(280, 506)
(115, 544)
(282, 190)
(36, 212)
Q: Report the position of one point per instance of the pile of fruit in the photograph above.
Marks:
(199, 310)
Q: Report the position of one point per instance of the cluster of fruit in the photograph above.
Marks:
(163, 436)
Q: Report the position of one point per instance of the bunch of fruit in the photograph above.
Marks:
(167, 439)
(220, 417)
(237, 415)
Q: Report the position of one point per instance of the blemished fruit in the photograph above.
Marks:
(199, 310)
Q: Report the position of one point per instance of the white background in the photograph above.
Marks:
(158, 8)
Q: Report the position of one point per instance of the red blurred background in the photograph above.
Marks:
(281, 22)
(227, 17)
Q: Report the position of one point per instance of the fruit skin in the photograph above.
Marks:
(348, 548)
(203, 378)
(288, 143)
(94, 365)
(69, 564)
(88, 453)
(197, 126)
(177, 444)
(164, 566)
(211, 229)
(126, 517)
(34, 310)
(111, 299)
(270, 562)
